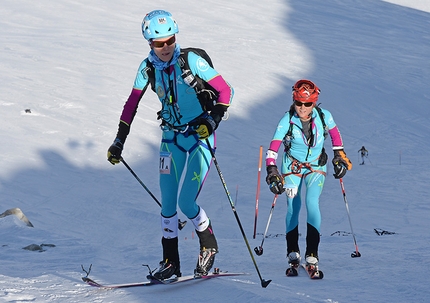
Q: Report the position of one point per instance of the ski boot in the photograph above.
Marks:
(208, 249)
(208, 243)
(294, 263)
(166, 270)
(205, 262)
(171, 264)
(311, 267)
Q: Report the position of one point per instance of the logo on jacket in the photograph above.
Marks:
(202, 64)
(160, 92)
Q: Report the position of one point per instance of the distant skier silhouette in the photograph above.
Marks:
(364, 153)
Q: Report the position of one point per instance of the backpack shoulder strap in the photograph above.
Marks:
(206, 94)
(187, 75)
(189, 78)
(322, 117)
(287, 138)
(198, 51)
(290, 129)
(183, 59)
(151, 74)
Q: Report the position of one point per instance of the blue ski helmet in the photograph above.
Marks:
(159, 24)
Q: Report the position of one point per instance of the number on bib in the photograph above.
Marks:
(165, 161)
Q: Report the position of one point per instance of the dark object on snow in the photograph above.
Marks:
(17, 212)
(34, 247)
(28, 111)
(39, 248)
(381, 232)
(341, 233)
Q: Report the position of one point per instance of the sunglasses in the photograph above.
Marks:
(306, 104)
(159, 44)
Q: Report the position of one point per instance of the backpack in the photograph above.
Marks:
(206, 94)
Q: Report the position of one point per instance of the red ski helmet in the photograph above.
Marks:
(305, 91)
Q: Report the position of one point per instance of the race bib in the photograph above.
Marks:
(291, 190)
(165, 161)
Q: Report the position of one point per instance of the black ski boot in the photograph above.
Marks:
(170, 265)
(208, 249)
(293, 252)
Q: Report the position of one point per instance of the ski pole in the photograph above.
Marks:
(257, 196)
(181, 224)
(369, 160)
(264, 283)
(259, 250)
(355, 254)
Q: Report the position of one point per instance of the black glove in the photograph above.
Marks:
(206, 126)
(341, 164)
(339, 170)
(274, 180)
(114, 151)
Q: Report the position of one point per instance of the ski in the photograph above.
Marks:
(91, 282)
(293, 270)
(151, 282)
(314, 274)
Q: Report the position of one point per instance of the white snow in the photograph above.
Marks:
(72, 64)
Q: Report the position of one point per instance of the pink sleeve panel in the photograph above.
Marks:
(274, 146)
(224, 89)
(336, 139)
(130, 107)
